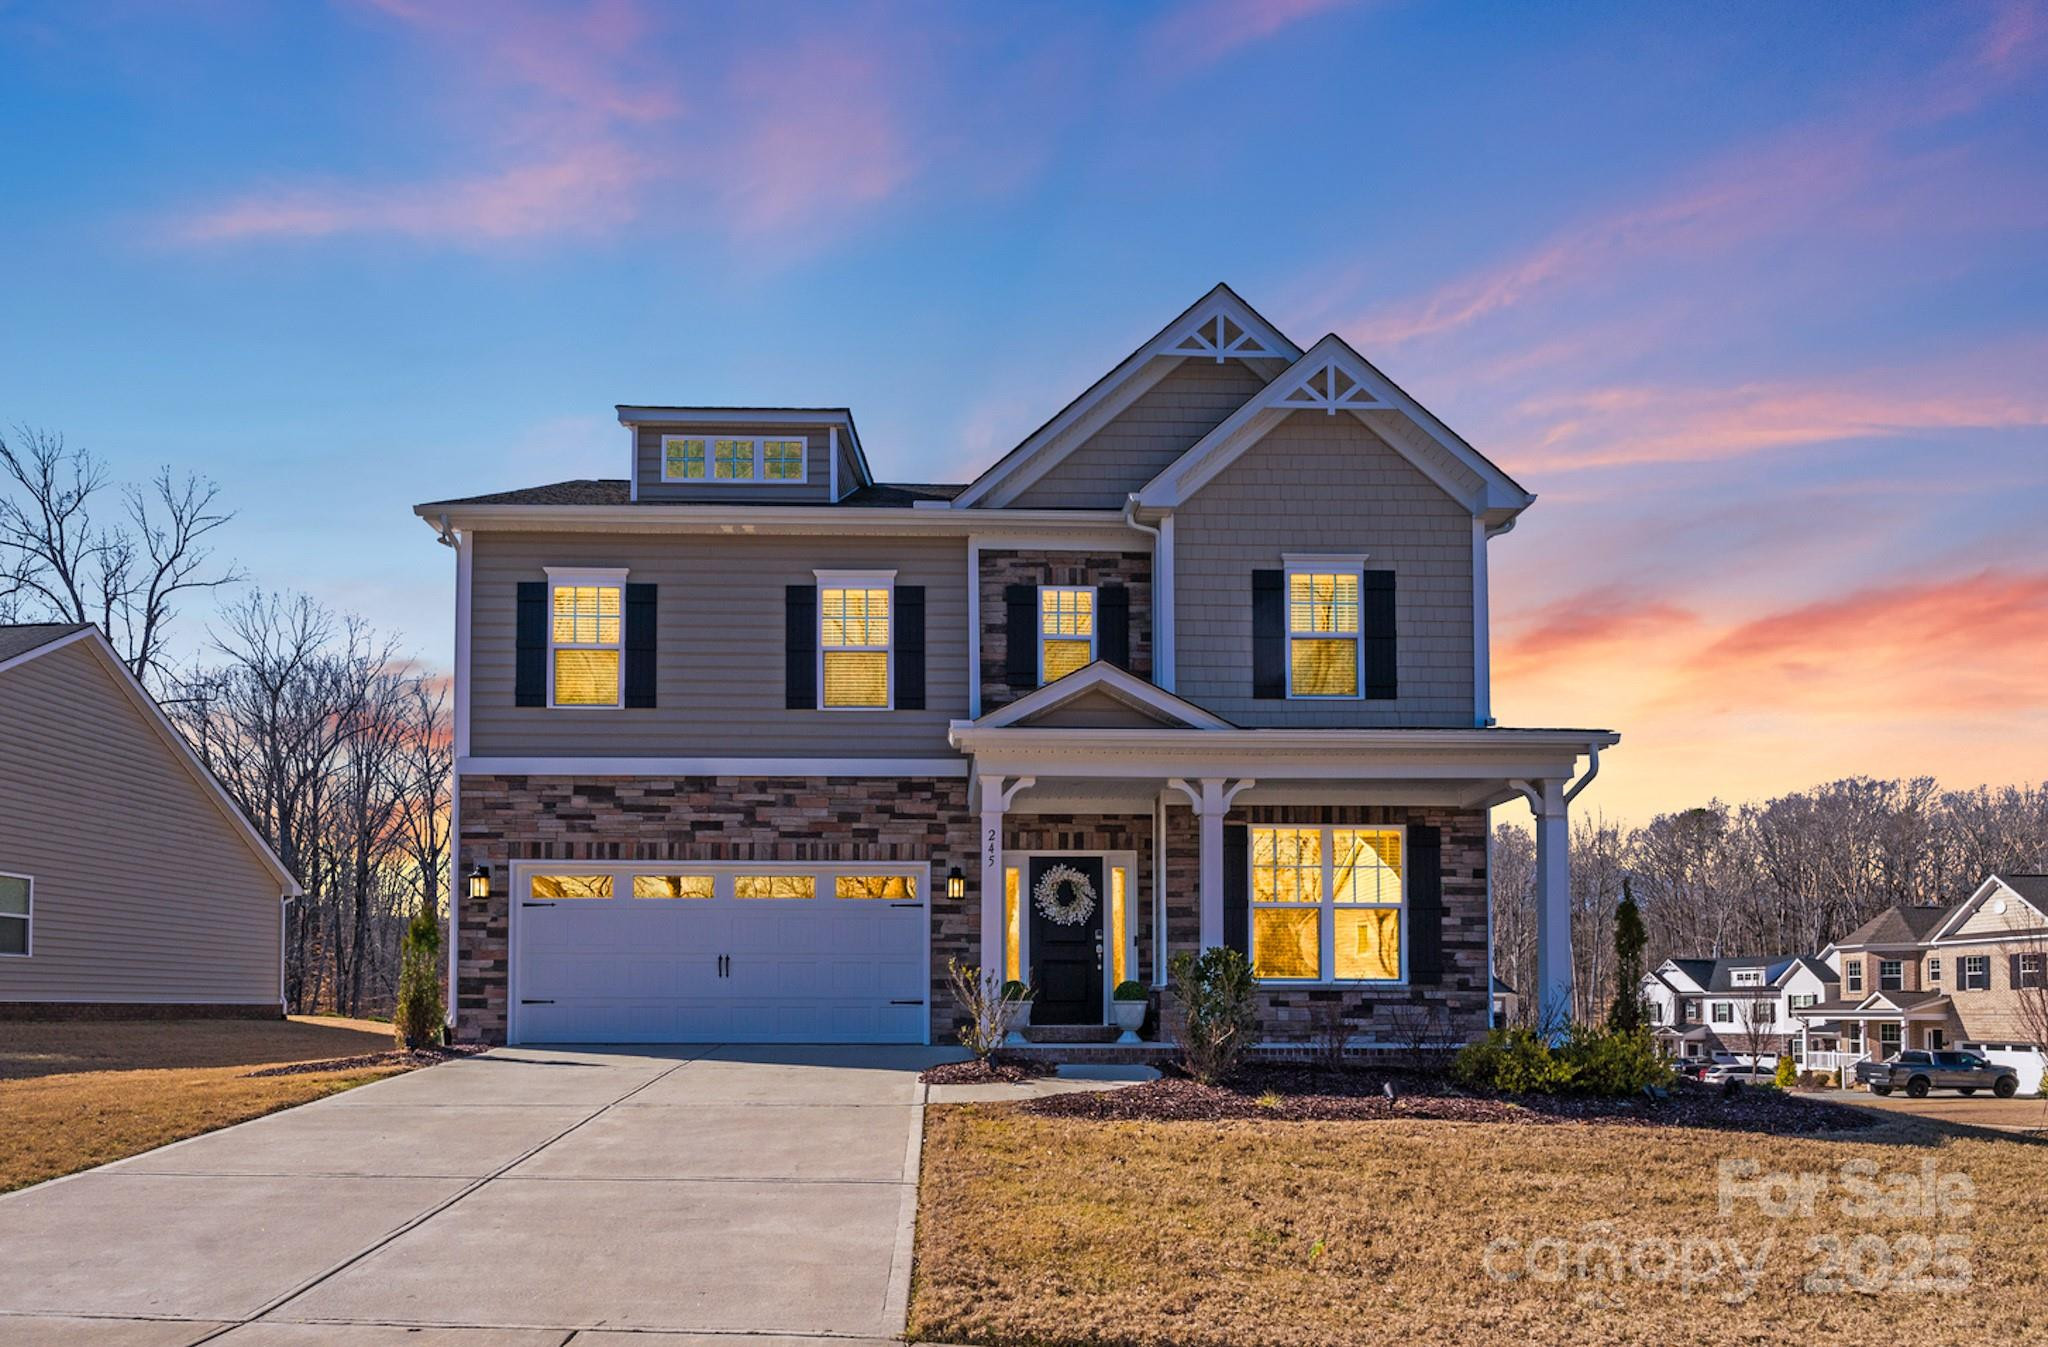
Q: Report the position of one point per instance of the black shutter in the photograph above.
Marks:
(1237, 888)
(1020, 643)
(1113, 613)
(1425, 906)
(910, 647)
(1269, 634)
(640, 608)
(530, 659)
(800, 648)
(1376, 621)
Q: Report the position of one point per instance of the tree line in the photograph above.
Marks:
(1787, 876)
(334, 746)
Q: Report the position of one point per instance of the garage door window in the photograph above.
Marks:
(892, 888)
(774, 886)
(673, 886)
(571, 886)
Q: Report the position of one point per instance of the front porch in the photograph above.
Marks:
(1120, 825)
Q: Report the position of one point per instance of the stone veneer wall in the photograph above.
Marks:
(1457, 1005)
(508, 818)
(1002, 568)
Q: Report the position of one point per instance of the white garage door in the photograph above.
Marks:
(676, 953)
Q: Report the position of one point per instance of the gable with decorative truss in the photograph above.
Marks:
(1218, 329)
(1331, 378)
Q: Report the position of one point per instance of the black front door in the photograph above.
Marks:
(1066, 960)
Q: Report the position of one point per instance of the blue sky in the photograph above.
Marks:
(1754, 297)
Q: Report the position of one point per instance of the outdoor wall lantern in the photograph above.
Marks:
(480, 882)
(956, 883)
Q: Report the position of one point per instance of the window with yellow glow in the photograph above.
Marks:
(1322, 633)
(1013, 929)
(853, 643)
(783, 460)
(732, 460)
(585, 631)
(682, 459)
(1119, 957)
(896, 888)
(1066, 630)
(1328, 903)
(672, 886)
(570, 886)
(774, 886)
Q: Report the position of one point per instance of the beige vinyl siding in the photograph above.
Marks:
(2018, 916)
(1145, 437)
(816, 486)
(1321, 483)
(719, 657)
(144, 890)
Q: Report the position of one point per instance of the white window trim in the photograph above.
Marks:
(1094, 622)
(1326, 910)
(1721, 1012)
(857, 580)
(722, 873)
(760, 475)
(1352, 564)
(1899, 978)
(560, 577)
(1746, 977)
(28, 919)
(1965, 977)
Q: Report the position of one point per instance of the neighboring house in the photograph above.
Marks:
(752, 745)
(1745, 1006)
(129, 882)
(1973, 976)
(1507, 1002)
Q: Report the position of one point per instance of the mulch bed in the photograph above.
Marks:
(1305, 1094)
(995, 1071)
(396, 1057)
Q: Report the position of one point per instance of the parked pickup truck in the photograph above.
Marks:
(1917, 1072)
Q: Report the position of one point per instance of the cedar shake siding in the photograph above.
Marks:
(510, 818)
(145, 892)
(1140, 441)
(1325, 484)
(719, 653)
(1001, 569)
(815, 489)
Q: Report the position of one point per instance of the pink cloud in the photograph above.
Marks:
(1193, 37)
(826, 130)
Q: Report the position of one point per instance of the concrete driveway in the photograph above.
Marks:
(524, 1197)
(1981, 1110)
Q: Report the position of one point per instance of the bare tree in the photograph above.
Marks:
(1755, 1022)
(62, 562)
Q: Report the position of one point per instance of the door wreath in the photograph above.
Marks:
(1064, 896)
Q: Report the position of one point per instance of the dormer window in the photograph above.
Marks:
(723, 458)
(1748, 977)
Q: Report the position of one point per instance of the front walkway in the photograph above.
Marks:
(521, 1198)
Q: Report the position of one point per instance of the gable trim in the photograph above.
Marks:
(1198, 332)
(1331, 377)
(1124, 686)
(153, 715)
(1969, 908)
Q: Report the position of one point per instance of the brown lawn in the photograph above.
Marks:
(1055, 1231)
(77, 1095)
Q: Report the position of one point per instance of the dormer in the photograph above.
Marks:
(744, 455)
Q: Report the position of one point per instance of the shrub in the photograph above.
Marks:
(1788, 1072)
(1589, 1062)
(1816, 1080)
(1214, 989)
(990, 1005)
(420, 1016)
(1128, 990)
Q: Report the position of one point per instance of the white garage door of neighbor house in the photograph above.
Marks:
(670, 952)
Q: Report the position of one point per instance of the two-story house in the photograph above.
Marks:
(1747, 1006)
(1973, 975)
(751, 744)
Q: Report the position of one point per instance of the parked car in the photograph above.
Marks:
(1692, 1067)
(1749, 1073)
(1916, 1072)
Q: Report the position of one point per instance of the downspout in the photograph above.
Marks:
(284, 903)
(1162, 595)
(1592, 770)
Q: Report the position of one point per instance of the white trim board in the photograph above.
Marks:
(775, 767)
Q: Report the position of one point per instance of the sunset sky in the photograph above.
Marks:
(1754, 297)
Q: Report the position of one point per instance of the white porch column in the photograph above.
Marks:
(1211, 803)
(1553, 906)
(995, 798)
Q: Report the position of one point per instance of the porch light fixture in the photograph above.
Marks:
(956, 883)
(480, 882)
